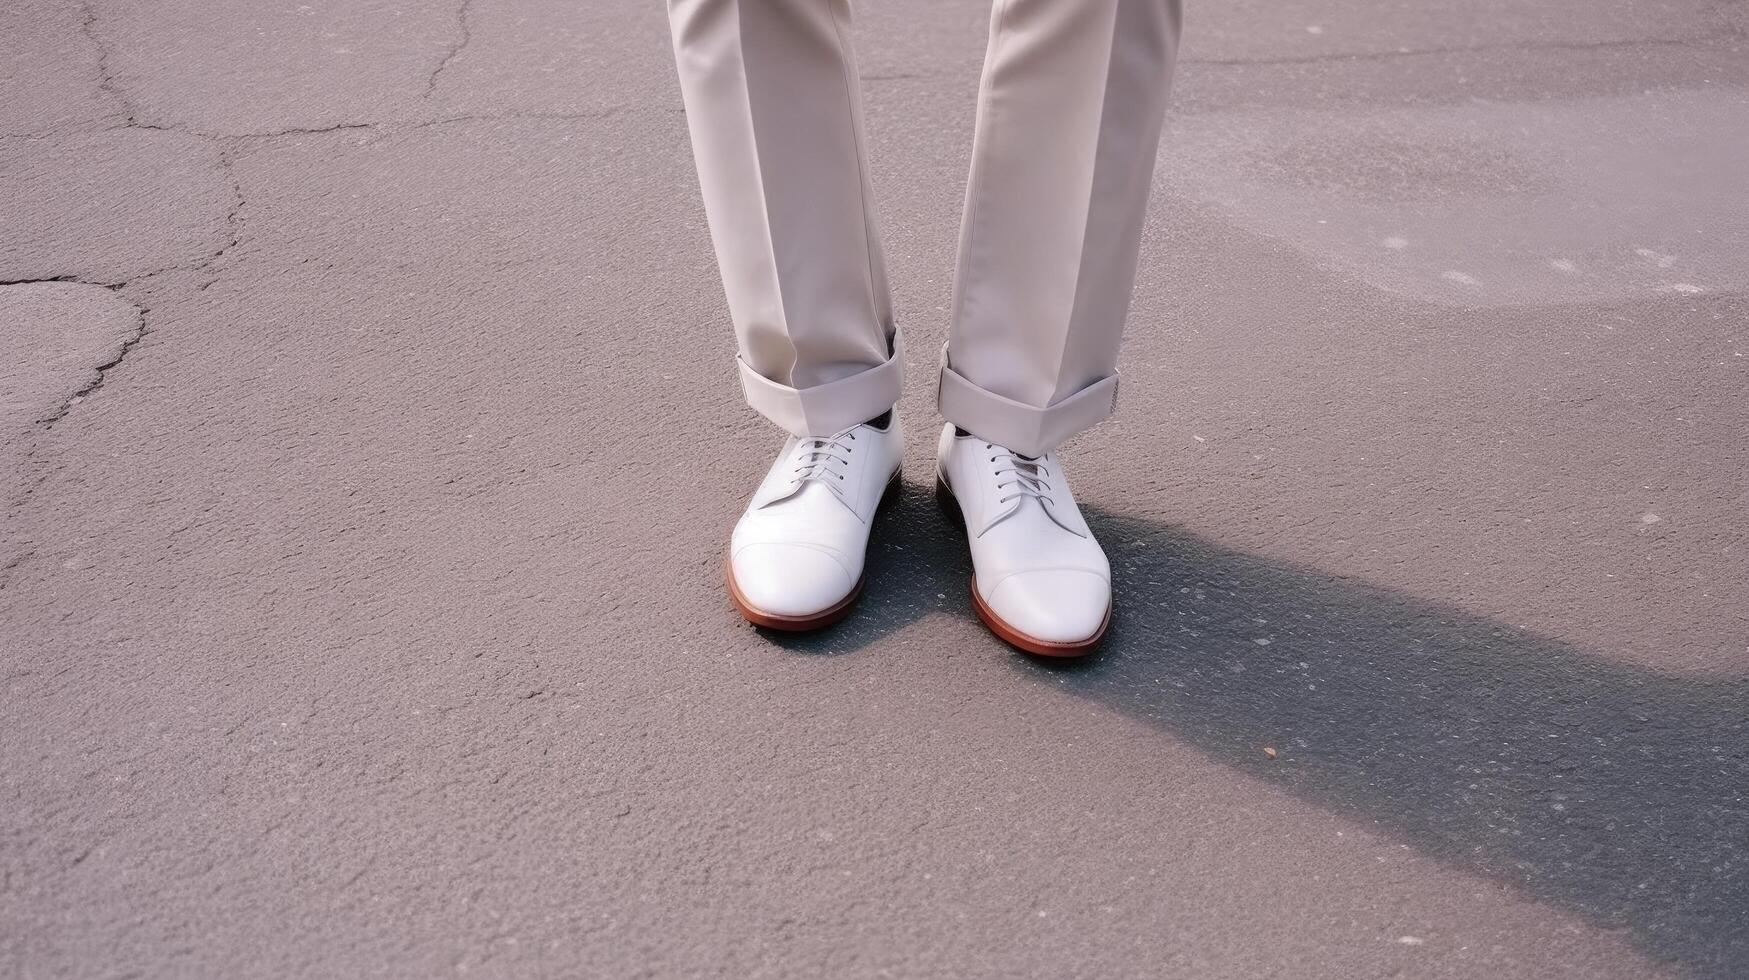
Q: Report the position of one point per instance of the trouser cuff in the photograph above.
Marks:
(832, 407)
(1017, 426)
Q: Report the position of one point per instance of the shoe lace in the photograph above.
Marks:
(821, 460)
(1026, 476)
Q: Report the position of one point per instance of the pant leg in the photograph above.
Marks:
(773, 106)
(1070, 110)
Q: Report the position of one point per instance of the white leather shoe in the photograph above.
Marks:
(1039, 579)
(796, 557)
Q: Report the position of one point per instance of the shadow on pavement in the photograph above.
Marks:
(1608, 790)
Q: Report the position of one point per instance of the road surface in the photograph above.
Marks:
(369, 438)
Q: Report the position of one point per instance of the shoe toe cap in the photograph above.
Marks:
(1053, 605)
(789, 579)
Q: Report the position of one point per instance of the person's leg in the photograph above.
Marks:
(771, 99)
(773, 106)
(1069, 115)
(1068, 120)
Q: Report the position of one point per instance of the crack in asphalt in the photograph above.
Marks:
(36, 279)
(466, 35)
(289, 131)
(131, 120)
(234, 225)
(141, 312)
(602, 113)
(386, 127)
(105, 78)
(128, 343)
(233, 220)
(19, 499)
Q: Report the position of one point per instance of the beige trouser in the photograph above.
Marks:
(1069, 115)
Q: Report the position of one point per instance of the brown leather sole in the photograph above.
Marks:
(1030, 644)
(788, 624)
(820, 620)
(1006, 633)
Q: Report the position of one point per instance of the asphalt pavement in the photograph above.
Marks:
(369, 438)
